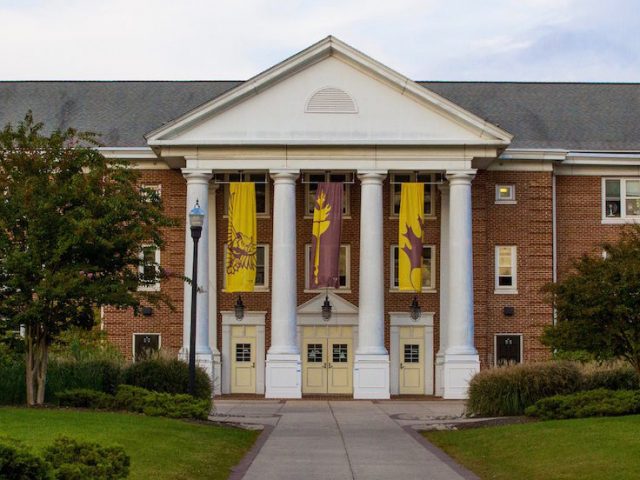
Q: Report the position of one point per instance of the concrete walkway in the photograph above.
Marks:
(315, 439)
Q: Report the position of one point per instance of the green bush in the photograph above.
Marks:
(74, 460)
(19, 463)
(84, 398)
(612, 377)
(593, 403)
(102, 375)
(130, 398)
(168, 376)
(509, 390)
(12, 384)
(157, 404)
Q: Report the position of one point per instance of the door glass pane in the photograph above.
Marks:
(243, 352)
(411, 353)
(340, 353)
(314, 352)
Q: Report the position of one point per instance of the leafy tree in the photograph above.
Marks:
(598, 304)
(72, 225)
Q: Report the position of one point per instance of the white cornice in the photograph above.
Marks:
(608, 159)
(128, 152)
(554, 154)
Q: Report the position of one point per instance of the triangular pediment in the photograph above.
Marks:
(329, 94)
(339, 305)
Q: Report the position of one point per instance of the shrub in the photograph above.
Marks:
(102, 375)
(12, 384)
(130, 398)
(74, 460)
(18, 463)
(509, 390)
(593, 403)
(610, 376)
(157, 404)
(168, 376)
(85, 398)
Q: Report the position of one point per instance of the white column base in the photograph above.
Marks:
(216, 380)
(371, 377)
(439, 390)
(283, 376)
(458, 371)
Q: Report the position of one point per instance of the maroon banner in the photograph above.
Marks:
(325, 246)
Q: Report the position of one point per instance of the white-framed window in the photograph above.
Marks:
(151, 192)
(505, 194)
(263, 194)
(311, 181)
(397, 179)
(262, 267)
(148, 268)
(428, 268)
(620, 200)
(344, 268)
(506, 269)
(145, 345)
(507, 349)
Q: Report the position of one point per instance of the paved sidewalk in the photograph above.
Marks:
(316, 439)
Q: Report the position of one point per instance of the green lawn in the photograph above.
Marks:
(593, 448)
(159, 448)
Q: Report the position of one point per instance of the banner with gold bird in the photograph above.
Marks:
(241, 238)
(410, 237)
(325, 245)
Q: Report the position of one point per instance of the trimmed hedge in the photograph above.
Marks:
(73, 460)
(85, 398)
(593, 403)
(18, 462)
(168, 376)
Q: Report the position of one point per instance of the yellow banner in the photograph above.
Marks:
(410, 237)
(241, 238)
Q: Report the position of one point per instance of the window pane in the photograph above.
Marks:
(261, 191)
(149, 267)
(505, 281)
(395, 267)
(505, 257)
(633, 188)
(243, 352)
(314, 352)
(504, 271)
(397, 188)
(633, 206)
(612, 208)
(260, 266)
(612, 188)
(343, 266)
(426, 268)
(411, 353)
(234, 177)
(146, 346)
(340, 353)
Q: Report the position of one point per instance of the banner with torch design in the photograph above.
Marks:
(411, 230)
(325, 245)
(241, 238)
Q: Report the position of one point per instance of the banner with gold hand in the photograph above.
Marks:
(325, 245)
(241, 238)
(410, 237)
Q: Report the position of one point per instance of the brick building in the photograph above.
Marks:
(519, 179)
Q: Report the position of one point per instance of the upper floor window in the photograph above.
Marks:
(262, 190)
(151, 193)
(397, 179)
(506, 269)
(312, 179)
(621, 198)
(262, 267)
(148, 269)
(428, 267)
(344, 267)
(505, 194)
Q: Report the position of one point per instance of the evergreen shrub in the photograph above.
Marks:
(167, 376)
(592, 403)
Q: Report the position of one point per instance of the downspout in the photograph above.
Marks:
(554, 235)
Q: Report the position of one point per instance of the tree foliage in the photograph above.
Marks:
(72, 225)
(598, 304)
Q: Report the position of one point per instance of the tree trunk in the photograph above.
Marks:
(37, 361)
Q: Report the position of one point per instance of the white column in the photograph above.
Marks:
(371, 367)
(461, 359)
(283, 372)
(213, 290)
(444, 286)
(197, 190)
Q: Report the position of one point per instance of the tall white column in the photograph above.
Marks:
(461, 359)
(197, 190)
(444, 286)
(371, 367)
(283, 371)
(213, 290)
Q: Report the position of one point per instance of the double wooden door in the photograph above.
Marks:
(327, 360)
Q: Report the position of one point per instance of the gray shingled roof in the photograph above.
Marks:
(572, 116)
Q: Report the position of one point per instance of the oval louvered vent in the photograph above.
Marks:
(331, 100)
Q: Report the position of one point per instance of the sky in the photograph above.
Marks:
(501, 40)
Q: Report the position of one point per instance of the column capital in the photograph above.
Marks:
(372, 176)
(460, 177)
(197, 175)
(284, 175)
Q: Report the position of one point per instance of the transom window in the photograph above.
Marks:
(262, 190)
(344, 267)
(148, 269)
(428, 267)
(397, 179)
(262, 267)
(621, 198)
(505, 193)
(506, 267)
(312, 179)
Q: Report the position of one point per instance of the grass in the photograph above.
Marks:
(160, 448)
(585, 449)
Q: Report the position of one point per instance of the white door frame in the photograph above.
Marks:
(229, 320)
(402, 319)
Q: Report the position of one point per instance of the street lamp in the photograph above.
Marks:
(196, 220)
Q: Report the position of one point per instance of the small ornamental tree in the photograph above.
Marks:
(598, 304)
(72, 225)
